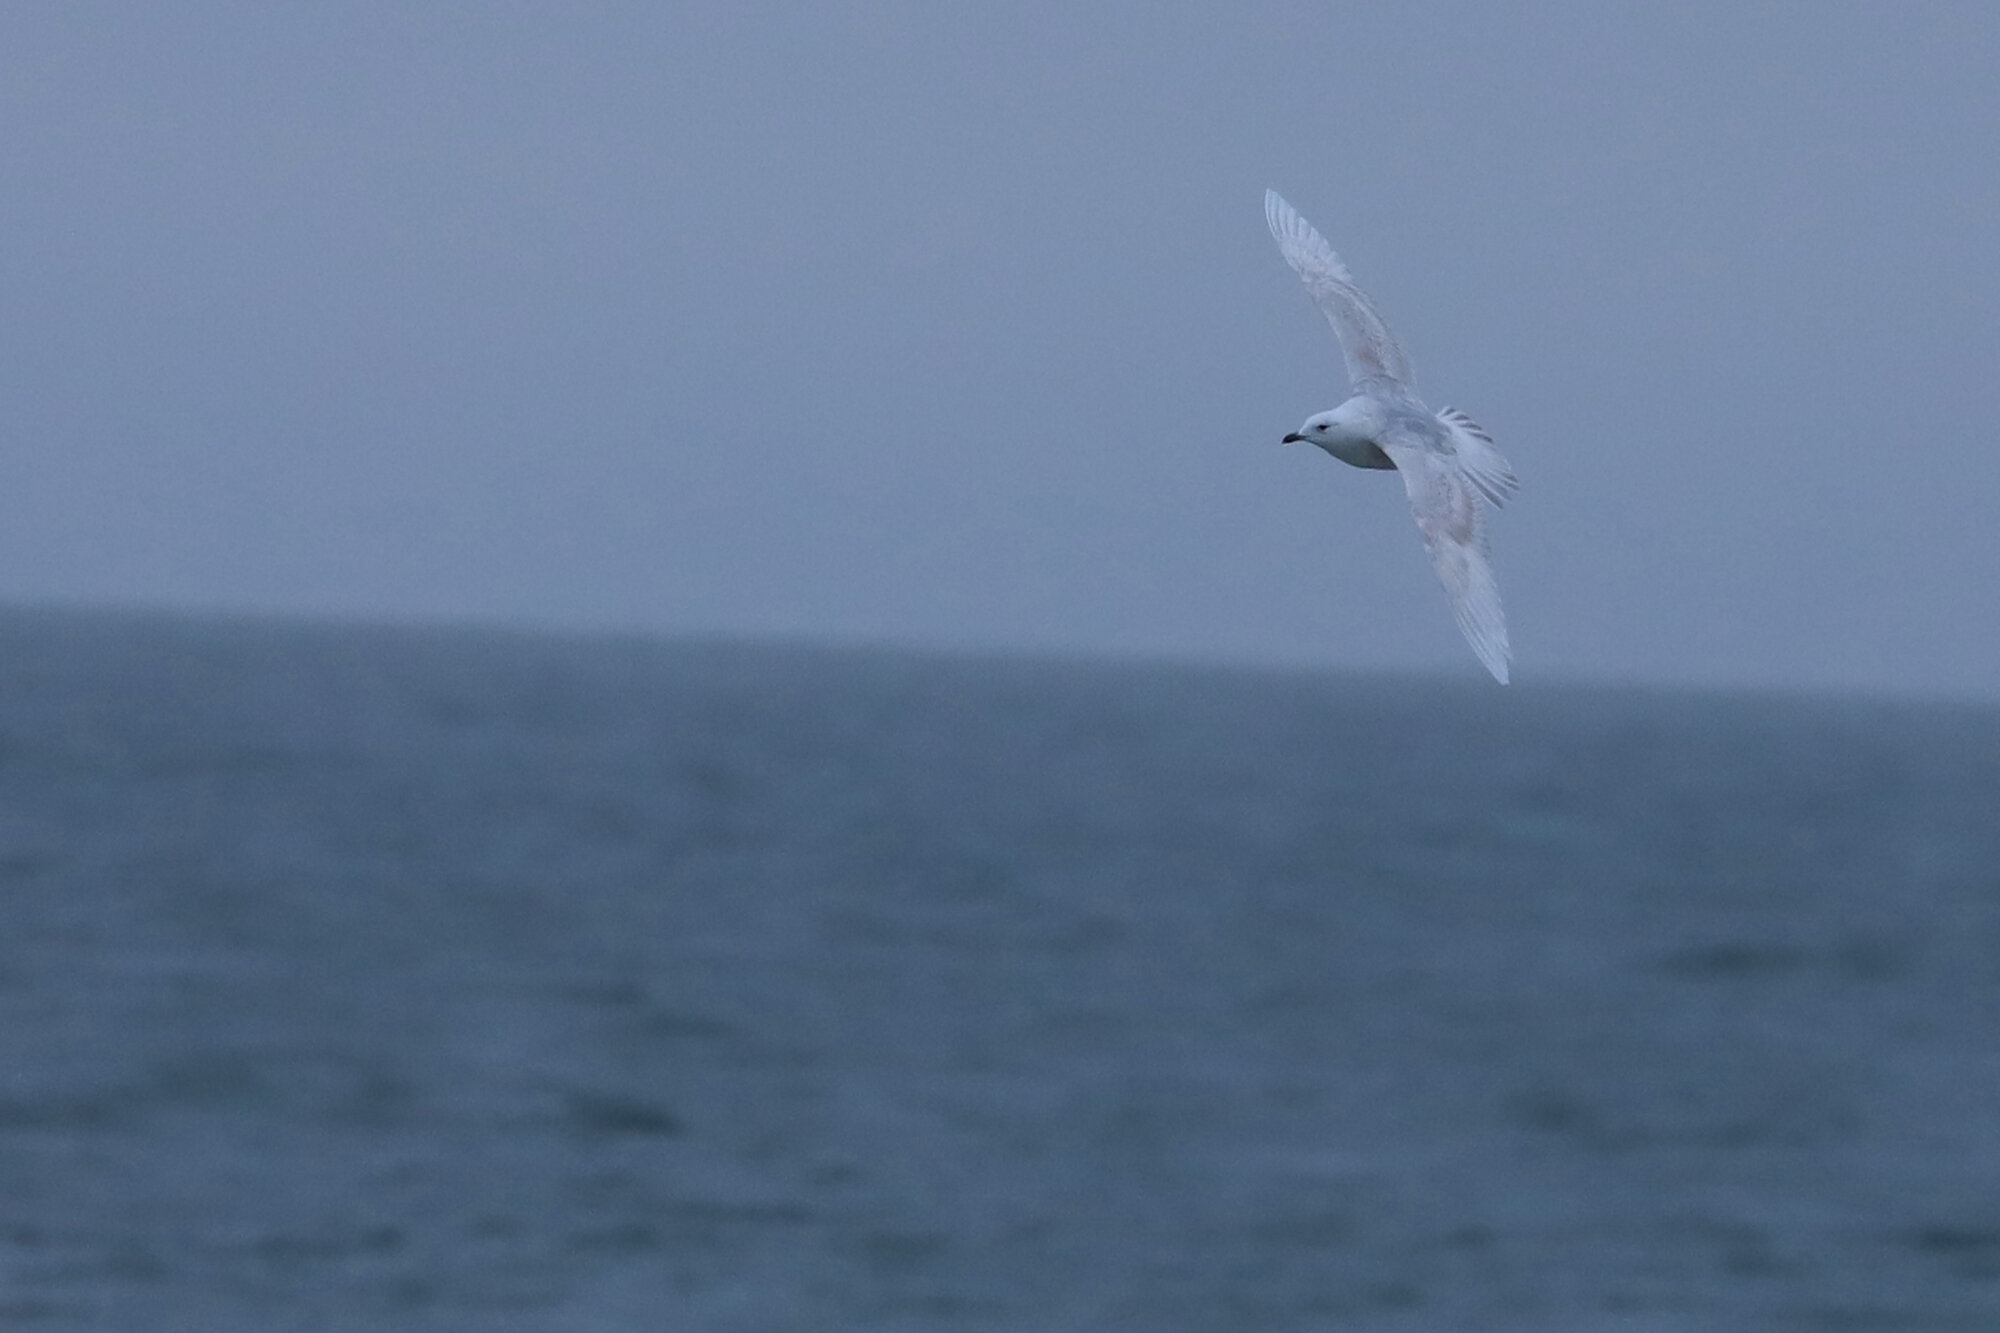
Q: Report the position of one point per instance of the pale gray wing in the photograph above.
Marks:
(1449, 514)
(1372, 351)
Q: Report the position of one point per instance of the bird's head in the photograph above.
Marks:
(1354, 422)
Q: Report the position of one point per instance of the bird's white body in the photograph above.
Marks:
(1451, 471)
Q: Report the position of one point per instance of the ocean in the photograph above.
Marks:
(400, 979)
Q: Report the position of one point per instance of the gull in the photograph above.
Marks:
(1450, 468)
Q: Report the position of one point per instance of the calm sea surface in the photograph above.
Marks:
(364, 979)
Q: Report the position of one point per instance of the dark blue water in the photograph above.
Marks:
(419, 981)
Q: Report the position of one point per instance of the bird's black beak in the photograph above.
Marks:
(1293, 438)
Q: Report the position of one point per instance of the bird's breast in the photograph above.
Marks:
(1357, 453)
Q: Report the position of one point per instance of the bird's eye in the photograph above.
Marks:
(1321, 428)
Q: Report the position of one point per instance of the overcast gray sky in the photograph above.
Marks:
(958, 325)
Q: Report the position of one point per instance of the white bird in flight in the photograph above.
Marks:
(1450, 468)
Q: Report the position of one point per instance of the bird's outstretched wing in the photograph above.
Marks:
(1372, 351)
(1447, 504)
